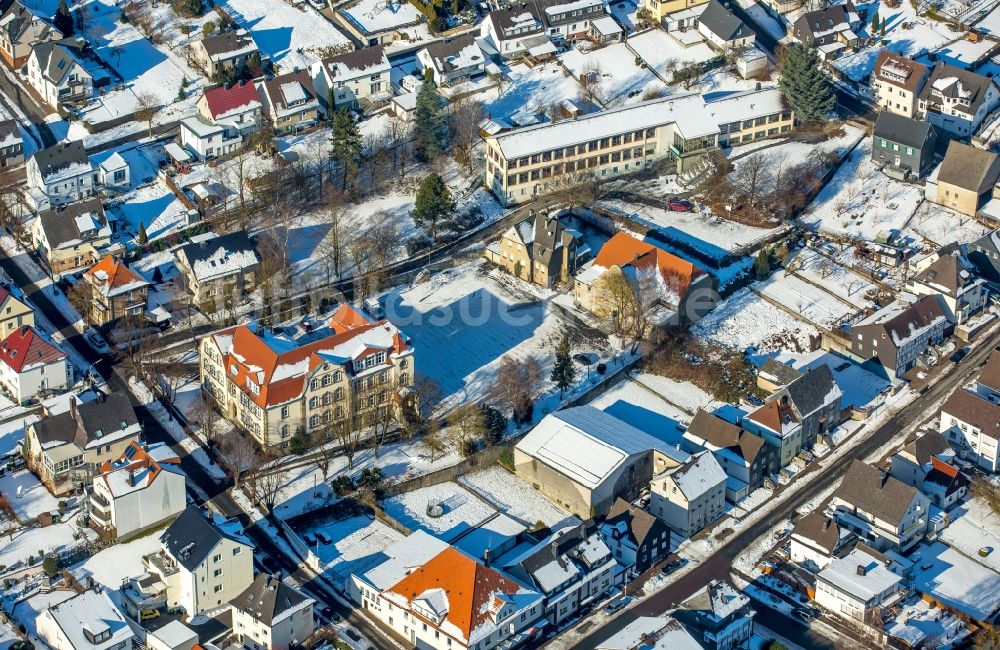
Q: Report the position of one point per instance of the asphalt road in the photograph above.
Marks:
(716, 567)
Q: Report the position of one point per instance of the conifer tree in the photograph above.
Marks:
(806, 87)
(563, 372)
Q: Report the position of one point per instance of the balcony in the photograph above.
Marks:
(160, 563)
(144, 592)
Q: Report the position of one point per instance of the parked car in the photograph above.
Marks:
(582, 359)
(148, 614)
(960, 354)
(309, 539)
(671, 566)
(805, 613)
(679, 205)
(617, 604)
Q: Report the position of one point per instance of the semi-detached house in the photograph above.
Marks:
(957, 100)
(689, 496)
(972, 425)
(273, 386)
(290, 101)
(226, 117)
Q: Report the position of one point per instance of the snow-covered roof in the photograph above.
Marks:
(402, 557)
(702, 473)
(113, 162)
(90, 613)
(872, 579)
(606, 26)
(577, 5)
(687, 111)
(651, 633)
(587, 445)
(374, 16)
(200, 128)
(747, 105)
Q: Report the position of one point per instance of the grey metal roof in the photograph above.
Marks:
(267, 598)
(903, 130)
(721, 21)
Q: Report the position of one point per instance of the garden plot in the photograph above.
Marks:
(793, 152)
(154, 206)
(117, 563)
(446, 510)
(683, 394)
(32, 500)
(861, 201)
(359, 543)
(808, 301)
(962, 54)
(905, 33)
(28, 542)
(833, 276)
(531, 91)
(746, 322)
(293, 38)
(619, 80)
(463, 320)
(661, 52)
(942, 226)
(517, 499)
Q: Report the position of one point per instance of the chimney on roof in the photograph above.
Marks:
(131, 477)
(72, 406)
(862, 570)
(486, 557)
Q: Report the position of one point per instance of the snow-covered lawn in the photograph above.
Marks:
(293, 38)
(793, 152)
(156, 207)
(810, 302)
(52, 539)
(744, 321)
(907, 33)
(116, 563)
(941, 226)
(681, 393)
(531, 90)
(358, 545)
(446, 510)
(34, 498)
(463, 320)
(963, 53)
(861, 201)
(515, 498)
(644, 409)
(660, 51)
(955, 580)
(832, 275)
(624, 11)
(973, 527)
(620, 80)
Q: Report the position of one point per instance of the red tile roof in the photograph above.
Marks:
(24, 346)
(773, 414)
(109, 274)
(623, 249)
(347, 318)
(222, 100)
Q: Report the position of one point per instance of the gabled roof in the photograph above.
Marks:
(284, 91)
(94, 613)
(138, 468)
(466, 592)
(74, 223)
(721, 21)
(222, 256)
(700, 474)
(778, 373)
(954, 82)
(969, 407)
(357, 63)
(223, 101)
(901, 325)
(10, 133)
(61, 156)
(926, 447)
(16, 19)
(458, 53)
(112, 277)
(949, 274)
(969, 167)
(638, 523)
(817, 527)
(105, 419)
(899, 71)
(268, 599)
(25, 347)
(624, 250)
(192, 537)
(990, 375)
(903, 130)
(57, 58)
(523, 15)
(812, 391)
(776, 415)
(832, 19)
(724, 435)
(229, 44)
(866, 488)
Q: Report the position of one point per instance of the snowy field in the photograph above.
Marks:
(644, 409)
(620, 80)
(32, 500)
(792, 152)
(683, 394)
(906, 33)
(661, 52)
(810, 302)
(28, 542)
(293, 38)
(531, 91)
(515, 498)
(837, 278)
(358, 545)
(973, 527)
(460, 510)
(153, 205)
(861, 201)
(745, 321)
(463, 320)
(940, 226)
(955, 580)
(116, 563)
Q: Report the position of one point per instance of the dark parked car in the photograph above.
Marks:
(671, 566)
(960, 354)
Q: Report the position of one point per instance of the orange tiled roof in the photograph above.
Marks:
(139, 459)
(347, 318)
(772, 414)
(117, 274)
(471, 588)
(623, 250)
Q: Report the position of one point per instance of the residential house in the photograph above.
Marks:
(831, 31)
(218, 54)
(113, 172)
(219, 272)
(751, 115)
(897, 81)
(270, 615)
(797, 414)
(926, 457)
(378, 22)
(31, 366)
(858, 585)
(21, 29)
(719, 615)
(966, 178)
(11, 143)
(815, 540)
(651, 633)
(774, 375)
(745, 458)
(953, 279)
(175, 635)
(142, 488)
(988, 383)
(343, 375)
(897, 334)
(584, 459)
(14, 311)
(516, 30)
(689, 496)
(882, 510)
(115, 290)
(526, 162)
(227, 115)
(637, 539)
(540, 249)
(66, 449)
(202, 562)
(957, 100)
(463, 603)
(571, 21)
(455, 61)
(290, 101)
(72, 237)
(904, 145)
(364, 588)
(57, 73)
(984, 254)
(352, 80)
(571, 568)
(659, 280)
(659, 9)
(85, 621)
(723, 29)
(972, 427)
(59, 175)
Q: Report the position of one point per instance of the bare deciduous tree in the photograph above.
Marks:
(465, 115)
(147, 105)
(238, 456)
